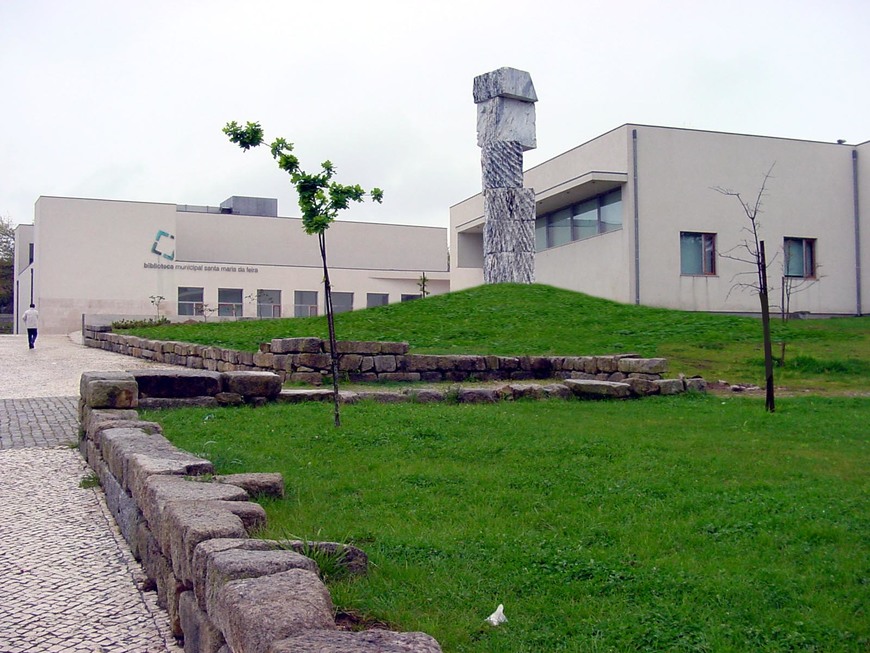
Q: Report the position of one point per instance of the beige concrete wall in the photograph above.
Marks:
(90, 255)
(863, 160)
(597, 266)
(241, 239)
(609, 152)
(95, 257)
(809, 195)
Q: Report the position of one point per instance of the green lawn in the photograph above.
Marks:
(690, 523)
(510, 319)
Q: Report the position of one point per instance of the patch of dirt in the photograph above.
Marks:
(354, 621)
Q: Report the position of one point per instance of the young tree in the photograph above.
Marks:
(754, 250)
(423, 284)
(320, 199)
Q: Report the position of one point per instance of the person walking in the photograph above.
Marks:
(31, 321)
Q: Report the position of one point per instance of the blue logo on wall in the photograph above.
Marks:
(164, 245)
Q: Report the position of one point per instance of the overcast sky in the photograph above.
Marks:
(126, 100)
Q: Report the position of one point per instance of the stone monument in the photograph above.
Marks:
(505, 100)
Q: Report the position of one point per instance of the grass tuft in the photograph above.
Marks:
(90, 481)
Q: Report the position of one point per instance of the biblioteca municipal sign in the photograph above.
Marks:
(197, 267)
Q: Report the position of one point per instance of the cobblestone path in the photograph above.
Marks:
(68, 582)
(43, 422)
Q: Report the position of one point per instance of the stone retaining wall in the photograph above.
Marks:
(307, 360)
(224, 591)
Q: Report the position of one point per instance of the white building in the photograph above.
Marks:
(633, 216)
(114, 258)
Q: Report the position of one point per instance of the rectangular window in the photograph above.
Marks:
(585, 219)
(540, 233)
(559, 228)
(342, 302)
(268, 303)
(697, 253)
(410, 296)
(597, 215)
(230, 302)
(377, 299)
(304, 303)
(800, 257)
(610, 212)
(189, 301)
(30, 252)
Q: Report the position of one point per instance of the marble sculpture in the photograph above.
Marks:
(505, 100)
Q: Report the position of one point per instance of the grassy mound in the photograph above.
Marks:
(509, 319)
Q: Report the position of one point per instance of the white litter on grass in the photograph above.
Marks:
(497, 617)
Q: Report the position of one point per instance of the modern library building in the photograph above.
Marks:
(649, 215)
(641, 214)
(237, 260)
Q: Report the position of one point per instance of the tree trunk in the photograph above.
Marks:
(333, 348)
(769, 402)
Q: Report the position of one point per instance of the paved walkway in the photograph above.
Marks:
(68, 582)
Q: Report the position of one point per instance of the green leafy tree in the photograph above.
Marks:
(7, 257)
(320, 199)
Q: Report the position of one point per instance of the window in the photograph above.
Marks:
(610, 212)
(342, 302)
(189, 301)
(304, 303)
(800, 257)
(410, 297)
(230, 302)
(268, 303)
(598, 215)
(697, 253)
(559, 228)
(377, 299)
(584, 219)
(30, 253)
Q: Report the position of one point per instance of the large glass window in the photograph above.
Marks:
(189, 301)
(411, 296)
(230, 302)
(559, 228)
(800, 257)
(268, 303)
(342, 302)
(304, 303)
(610, 212)
(697, 253)
(585, 219)
(540, 234)
(377, 299)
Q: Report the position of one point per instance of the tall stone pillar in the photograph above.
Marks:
(505, 100)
